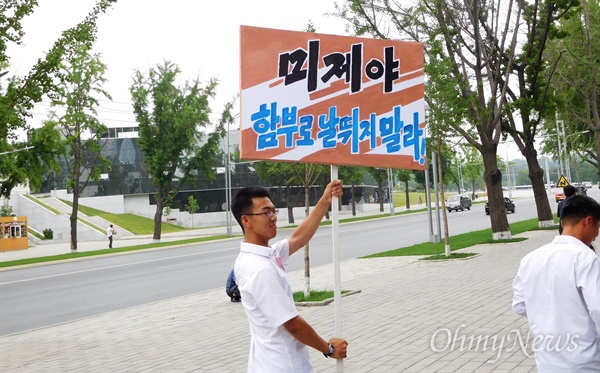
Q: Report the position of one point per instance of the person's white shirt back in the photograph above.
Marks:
(558, 288)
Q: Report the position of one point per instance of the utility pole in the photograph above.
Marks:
(228, 187)
(558, 142)
(391, 189)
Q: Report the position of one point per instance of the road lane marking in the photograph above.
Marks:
(111, 267)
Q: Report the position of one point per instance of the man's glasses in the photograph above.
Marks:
(268, 213)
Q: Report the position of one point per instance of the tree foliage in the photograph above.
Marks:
(475, 57)
(380, 176)
(577, 83)
(279, 174)
(192, 207)
(21, 93)
(174, 124)
(352, 175)
(79, 83)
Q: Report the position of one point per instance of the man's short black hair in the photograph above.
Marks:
(569, 190)
(578, 207)
(242, 202)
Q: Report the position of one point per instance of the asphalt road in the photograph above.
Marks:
(40, 296)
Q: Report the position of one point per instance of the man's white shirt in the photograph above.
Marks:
(558, 288)
(268, 301)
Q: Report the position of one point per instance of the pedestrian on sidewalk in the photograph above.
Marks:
(557, 288)
(569, 192)
(109, 233)
(279, 335)
(231, 287)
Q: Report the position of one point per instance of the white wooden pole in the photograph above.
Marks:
(337, 289)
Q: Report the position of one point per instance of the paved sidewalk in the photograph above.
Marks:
(410, 316)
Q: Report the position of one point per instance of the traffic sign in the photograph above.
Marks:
(562, 182)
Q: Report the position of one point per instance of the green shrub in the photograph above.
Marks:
(6, 209)
(48, 234)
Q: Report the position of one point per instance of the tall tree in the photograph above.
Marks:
(473, 50)
(465, 87)
(174, 122)
(17, 99)
(577, 82)
(530, 103)
(79, 84)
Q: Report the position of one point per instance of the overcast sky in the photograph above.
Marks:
(201, 36)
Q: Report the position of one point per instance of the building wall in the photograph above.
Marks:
(40, 218)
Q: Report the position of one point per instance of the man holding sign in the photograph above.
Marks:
(279, 335)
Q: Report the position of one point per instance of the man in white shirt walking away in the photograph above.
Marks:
(279, 336)
(557, 288)
(109, 233)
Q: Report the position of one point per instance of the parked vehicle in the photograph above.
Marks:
(508, 205)
(458, 202)
(559, 196)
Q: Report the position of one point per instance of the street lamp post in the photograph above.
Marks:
(461, 180)
(508, 174)
(228, 187)
(560, 133)
(391, 188)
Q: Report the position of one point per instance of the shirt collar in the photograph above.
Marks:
(266, 251)
(565, 239)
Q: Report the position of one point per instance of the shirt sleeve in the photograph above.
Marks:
(518, 298)
(588, 282)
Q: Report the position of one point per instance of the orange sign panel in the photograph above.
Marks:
(327, 99)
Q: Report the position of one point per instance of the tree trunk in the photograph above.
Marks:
(307, 247)
(380, 191)
(73, 219)
(75, 175)
(536, 174)
(597, 135)
(407, 195)
(158, 218)
(493, 181)
(353, 202)
(290, 206)
(443, 199)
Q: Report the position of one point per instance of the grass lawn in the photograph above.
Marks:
(315, 295)
(451, 256)
(133, 223)
(461, 241)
